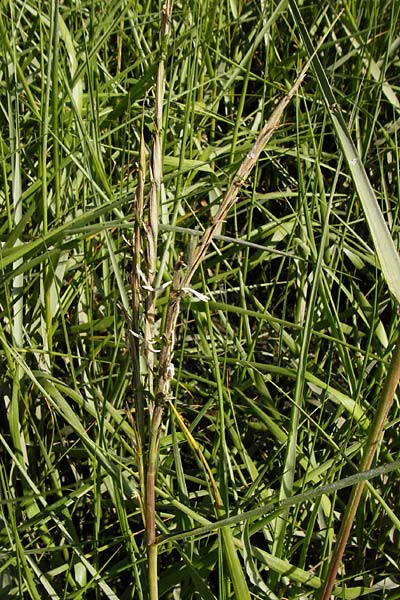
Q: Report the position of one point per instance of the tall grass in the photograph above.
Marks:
(199, 300)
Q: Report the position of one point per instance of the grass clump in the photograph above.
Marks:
(199, 291)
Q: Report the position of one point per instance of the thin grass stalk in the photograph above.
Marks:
(229, 548)
(136, 283)
(386, 251)
(374, 435)
(42, 502)
(155, 196)
(238, 182)
(155, 199)
(17, 299)
(19, 74)
(133, 326)
(54, 109)
(291, 445)
(273, 508)
(390, 265)
(46, 267)
(180, 287)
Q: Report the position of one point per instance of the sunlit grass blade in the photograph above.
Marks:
(386, 251)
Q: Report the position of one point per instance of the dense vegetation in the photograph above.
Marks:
(253, 403)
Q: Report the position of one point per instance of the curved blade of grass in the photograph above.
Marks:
(370, 63)
(270, 511)
(386, 251)
(273, 507)
(374, 435)
(230, 553)
(63, 530)
(291, 458)
(390, 265)
(354, 410)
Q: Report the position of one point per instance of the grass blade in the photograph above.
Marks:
(386, 251)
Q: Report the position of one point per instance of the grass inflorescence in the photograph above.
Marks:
(199, 300)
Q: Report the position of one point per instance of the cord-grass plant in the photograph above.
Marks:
(197, 322)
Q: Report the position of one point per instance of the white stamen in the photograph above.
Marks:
(162, 287)
(196, 294)
(170, 371)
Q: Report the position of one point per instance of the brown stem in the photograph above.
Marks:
(376, 428)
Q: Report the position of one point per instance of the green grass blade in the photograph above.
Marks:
(386, 251)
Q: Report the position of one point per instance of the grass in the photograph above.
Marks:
(199, 322)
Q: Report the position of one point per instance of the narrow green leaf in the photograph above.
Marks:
(383, 242)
